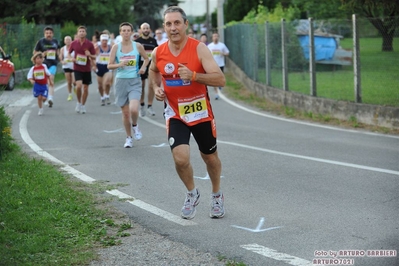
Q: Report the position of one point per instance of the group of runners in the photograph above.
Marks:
(179, 71)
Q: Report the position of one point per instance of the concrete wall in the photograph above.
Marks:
(364, 113)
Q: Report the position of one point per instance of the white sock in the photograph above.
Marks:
(194, 191)
(216, 194)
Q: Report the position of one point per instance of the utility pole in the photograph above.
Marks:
(208, 21)
(220, 20)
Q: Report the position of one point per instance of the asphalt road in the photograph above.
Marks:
(295, 192)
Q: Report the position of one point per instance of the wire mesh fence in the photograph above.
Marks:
(19, 40)
(278, 55)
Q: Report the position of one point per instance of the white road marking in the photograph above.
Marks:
(114, 131)
(161, 213)
(258, 228)
(160, 145)
(358, 166)
(141, 204)
(78, 174)
(26, 137)
(301, 122)
(150, 208)
(205, 177)
(24, 101)
(275, 255)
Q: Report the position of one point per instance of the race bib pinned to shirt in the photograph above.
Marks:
(191, 110)
(81, 59)
(38, 74)
(103, 59)
(51, 54)
(131, 61)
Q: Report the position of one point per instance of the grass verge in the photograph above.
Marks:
(236, 90)
(49, 219)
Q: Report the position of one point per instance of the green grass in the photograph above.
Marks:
(235, 90)
(48, 219)
(379, 76)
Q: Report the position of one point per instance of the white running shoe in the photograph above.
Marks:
(142, 111)
(129, 142)
(150, 111)
(77, 108)
(40, 111)
(137, 133)
(83, 109)
(217, 206)
(188, 211)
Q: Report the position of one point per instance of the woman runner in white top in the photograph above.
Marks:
(67, 65)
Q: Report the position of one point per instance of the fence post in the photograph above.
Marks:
(312, 64)
(267, 55)
(256, 53)
(356, 61)
(284, 55)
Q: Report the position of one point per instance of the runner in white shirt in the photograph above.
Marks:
(159, 36)
(67, 65)
(104, 75)
(219, 51)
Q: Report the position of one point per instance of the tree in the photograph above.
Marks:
(80, 12)
(149, 11)
(382, 14)
(57, 11)
(320, 9)
(236, 10)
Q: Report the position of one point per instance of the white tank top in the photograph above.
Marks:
(69, 63)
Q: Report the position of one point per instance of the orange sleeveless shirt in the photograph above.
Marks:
(187, 101)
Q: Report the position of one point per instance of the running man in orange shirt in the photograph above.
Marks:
(180, 79)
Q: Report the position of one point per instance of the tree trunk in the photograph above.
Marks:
(387, 42)
(386, 28)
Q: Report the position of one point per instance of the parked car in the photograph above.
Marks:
(7, 71)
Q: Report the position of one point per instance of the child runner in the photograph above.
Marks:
(38, 76)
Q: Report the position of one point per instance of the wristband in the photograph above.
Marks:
(194, 76)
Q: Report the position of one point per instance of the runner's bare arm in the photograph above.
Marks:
(155, 78)
(213, 76)
(112, 56)
(61, 55)
(145, 57)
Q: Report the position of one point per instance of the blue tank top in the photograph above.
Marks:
(132, 69)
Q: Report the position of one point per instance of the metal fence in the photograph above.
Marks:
(19, 40)
(342, 60)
